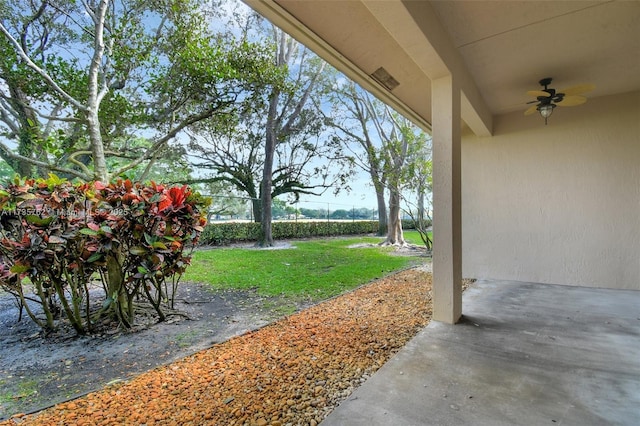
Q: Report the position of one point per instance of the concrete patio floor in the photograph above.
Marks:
(523, 354)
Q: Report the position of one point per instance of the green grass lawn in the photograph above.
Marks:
(317, 268)
(413, 237)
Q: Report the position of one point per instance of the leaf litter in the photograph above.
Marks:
(291, 372)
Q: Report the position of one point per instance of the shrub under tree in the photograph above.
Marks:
(57, 239)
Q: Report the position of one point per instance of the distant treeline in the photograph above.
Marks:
(361, 213)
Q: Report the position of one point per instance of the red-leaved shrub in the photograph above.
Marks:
(58, 238)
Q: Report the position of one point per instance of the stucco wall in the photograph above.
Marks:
(558, 203)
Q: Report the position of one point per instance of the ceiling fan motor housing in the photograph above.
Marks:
(553, 96)
(545, 82)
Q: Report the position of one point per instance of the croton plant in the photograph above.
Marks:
(59, 240)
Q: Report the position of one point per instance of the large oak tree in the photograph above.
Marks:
(279, 149)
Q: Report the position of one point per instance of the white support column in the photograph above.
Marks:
(447, 224)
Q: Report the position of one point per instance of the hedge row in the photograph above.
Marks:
(410, 224)
(220, 234)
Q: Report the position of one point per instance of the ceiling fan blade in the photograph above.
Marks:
(536, 93)
(572, 101)
(578, 90)
(531, 110)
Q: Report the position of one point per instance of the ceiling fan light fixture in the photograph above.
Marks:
(546, 111)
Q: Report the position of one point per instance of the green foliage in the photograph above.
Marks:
(59, 236)
(421, 226)
(411, 224)
(219, 234)
(314, 269)
(282, 138)
(163, 70)
(6, 172)
(280, 209)
(168, 166)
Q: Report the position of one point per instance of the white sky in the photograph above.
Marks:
(361, 195)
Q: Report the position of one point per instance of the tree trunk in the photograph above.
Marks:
(256, 205)
(383, 223)
(394, 236)
(97, 149)
(95, 95)
(29, 136)
(25, 148)
(266, 237)
(420, 204)
(121, 305)
(422, 219)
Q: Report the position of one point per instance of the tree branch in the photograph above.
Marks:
(42, 73)
(166, 138)
(7, 153)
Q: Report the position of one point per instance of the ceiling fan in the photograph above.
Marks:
(547, 99)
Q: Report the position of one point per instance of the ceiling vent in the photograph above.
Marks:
(383, 77)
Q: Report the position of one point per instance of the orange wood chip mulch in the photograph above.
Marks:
(293, 371)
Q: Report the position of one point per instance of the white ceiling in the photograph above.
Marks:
(510, 46)
(506, 46)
